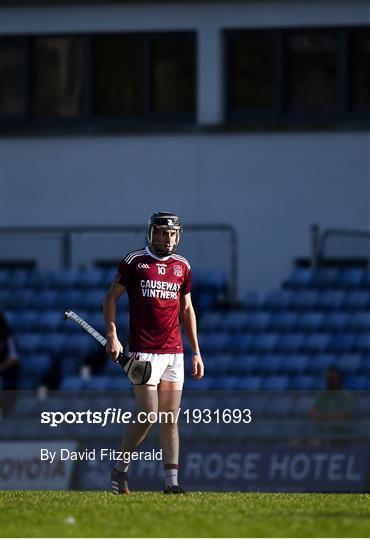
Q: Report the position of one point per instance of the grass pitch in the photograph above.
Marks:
(144, 514)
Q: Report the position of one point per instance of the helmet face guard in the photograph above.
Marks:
(164, 221)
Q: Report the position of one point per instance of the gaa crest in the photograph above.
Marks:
(177, 270)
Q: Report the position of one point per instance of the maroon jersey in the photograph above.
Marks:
(154, 286)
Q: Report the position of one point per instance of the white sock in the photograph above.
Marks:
(122, 466)
(170, 476)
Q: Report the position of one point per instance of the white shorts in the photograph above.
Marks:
(165, 367)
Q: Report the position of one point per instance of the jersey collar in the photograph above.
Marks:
(155, 257)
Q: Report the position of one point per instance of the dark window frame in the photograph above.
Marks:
(278, 116)
(87, 119)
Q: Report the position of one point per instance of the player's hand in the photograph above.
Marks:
(113, 348)
(197, 367)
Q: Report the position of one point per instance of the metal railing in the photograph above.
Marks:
(66, 237)
(339, 243)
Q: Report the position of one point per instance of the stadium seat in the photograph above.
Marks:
(304, 300)
(285, 320)
(48, 299)
(78, 344)
(92, 299)
(311, 321)
(50, 320)
(305, 382)
(234, 321)
(52, 343)
(318, 363)
(248, 383)
(349, 363)
(92, 278)
(258, 321)
(67, 278)
(99, 382)
(120, 383)
(28, 342)
(36, 365)
(280, 406)
(246, 364)
(300, 277)
(363, 342)
(69, 366)
(241, 343)
(317, 342)
(280, 300)
(292, 342)
(275, 382)
(255, 299)
(331, 300)
(343, 342)
(222, 363)
(336, 320)
(359, 300)
(211, 321)
(5, 278)
(20, 299)
(360, 320)
(356, 382)
(73, 383)
(270, 363)
(214, 342)
(24, 320)
(352, 277)
(326, 277)
(295, 364)
(266, 342)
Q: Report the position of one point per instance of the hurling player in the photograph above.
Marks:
(157, 282)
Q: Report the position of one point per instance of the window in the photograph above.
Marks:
(58, 77)
(172, 61)
(359, 69)
(312, 71)
(119, 75)
(252, 70)
(13, 75)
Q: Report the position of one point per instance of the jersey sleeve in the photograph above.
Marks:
(123, 274)
(186, 286)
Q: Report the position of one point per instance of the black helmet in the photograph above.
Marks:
(164, 220)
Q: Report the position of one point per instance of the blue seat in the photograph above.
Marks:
(20, 299)
(67, 278)
(36, 365)
(241, 343)
(78, 344)
(270, 363)
(24, 320)
(296, 363)
(266, 342)
(349, 363)
(5, 278)
(92, 299)
(99, 382)
(92, 278)
(320, 362)
(48, 299)
(363, 342)
(222, 383)
(311, 320)
(19, 279)
(73, 383)
(255, 299)
(52, 343)
(72, 299)
(326, 277)
(234, 321)
(317, 342)
(359, 300)
(360, 320)
(211, 321)
(285, 320)
(337, 320)
(69, 366)
(214, 342)
(248, 383)
(352, 277)
(300, 277)
(356, 382)
(331, 300)
(275, 382)
(222, 363)
(292, 342)
(304, 300)
(280, 406)
(258, 321)
(280, 300)
(303, 382)
(343, 342)
(119, 383)
(29, 342)
(247, 364)
(50, 320)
